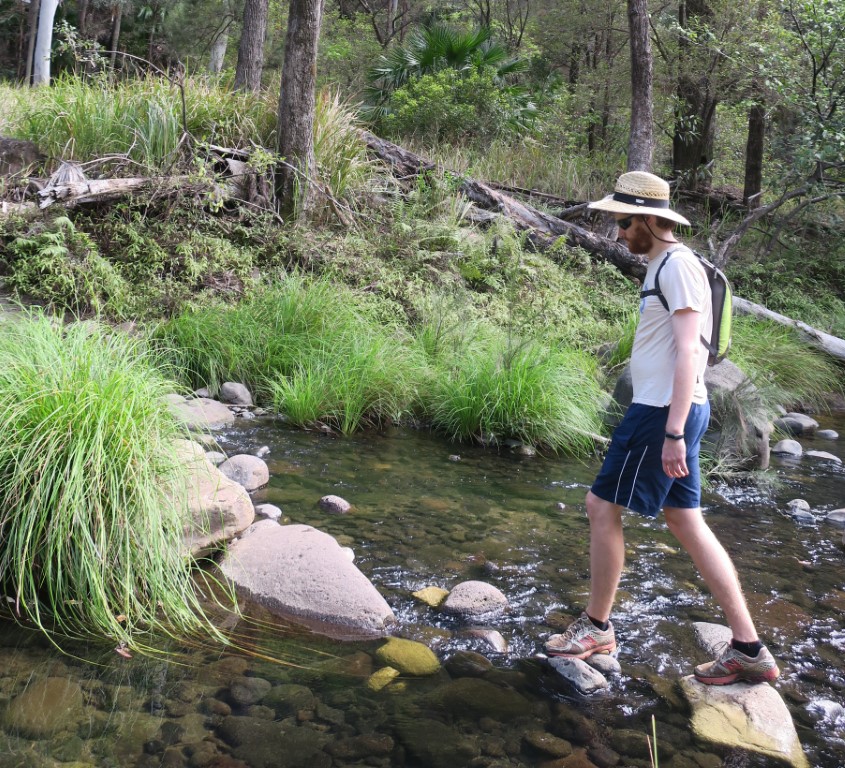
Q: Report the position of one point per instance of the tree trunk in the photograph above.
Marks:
(754, 153)
(390, 24)
(296, 109)
(641, 143)
(117, 17)
(217, 53)
(251, 48)
(695, 118)
(83, 16)
(34, 11)
(44, 43)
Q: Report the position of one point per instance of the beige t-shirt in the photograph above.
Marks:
(684, 285)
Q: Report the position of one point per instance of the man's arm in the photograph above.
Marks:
(685, 329)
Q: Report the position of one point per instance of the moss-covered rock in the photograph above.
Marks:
(408, 657)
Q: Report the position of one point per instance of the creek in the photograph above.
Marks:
(420, 518)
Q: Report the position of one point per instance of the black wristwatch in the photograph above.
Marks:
(670, 436)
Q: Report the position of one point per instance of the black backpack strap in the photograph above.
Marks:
(656, 290)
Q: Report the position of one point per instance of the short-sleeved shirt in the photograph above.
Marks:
(684, 285)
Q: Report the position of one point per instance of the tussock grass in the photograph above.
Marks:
(490, 387)
(90, 519)
(303, 347)
(786, 370)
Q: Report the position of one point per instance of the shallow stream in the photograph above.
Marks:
(422, 518)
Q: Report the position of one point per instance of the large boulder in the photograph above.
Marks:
(218, 509)
(300, 573)
(742, 716)
(200, 413)
(740, 426)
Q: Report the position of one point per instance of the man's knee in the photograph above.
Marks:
(602, 512)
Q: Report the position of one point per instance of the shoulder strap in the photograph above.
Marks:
(656, 290)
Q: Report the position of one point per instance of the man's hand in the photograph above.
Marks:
(675, 458)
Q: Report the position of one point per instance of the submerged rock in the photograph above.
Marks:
(44, 708)
(823, 456)
(334, 504)
(409, 657)
(796, 424)
(749, 717)
(836, 517)
(382, 678)
(827, 434)
(431, 596)
(298, 572)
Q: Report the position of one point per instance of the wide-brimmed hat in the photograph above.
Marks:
(642, 193)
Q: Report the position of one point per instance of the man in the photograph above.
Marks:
(652, 462)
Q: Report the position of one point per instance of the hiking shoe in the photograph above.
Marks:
(733, 667)
(581, 639)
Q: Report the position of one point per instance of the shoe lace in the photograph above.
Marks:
(576, 628)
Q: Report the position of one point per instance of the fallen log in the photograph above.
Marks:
(543, 229)
(101, 190)
(832, 345)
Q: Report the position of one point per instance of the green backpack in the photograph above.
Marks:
(720, 290)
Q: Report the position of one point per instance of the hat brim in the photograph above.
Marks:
(614, 206)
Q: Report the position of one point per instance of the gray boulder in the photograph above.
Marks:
(300, 573)
(217, 508)
(837, 518)
(474, 598)
(235, 394)
(711, 636)
(246, 470)
(796, 424)
(823, 456)
(742, 716)
(334, 504)
(788, 448)
(200, 413)
(827, 434)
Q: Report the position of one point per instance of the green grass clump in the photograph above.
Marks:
(495, 388)
(302, 346)
(785, 369)
(90, 513)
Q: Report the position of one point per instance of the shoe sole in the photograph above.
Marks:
(602, 649)
(739, 678)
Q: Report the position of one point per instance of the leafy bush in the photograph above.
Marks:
(61, 266)
(453, 105)
(90, 488)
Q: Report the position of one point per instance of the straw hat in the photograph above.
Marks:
(640, 193)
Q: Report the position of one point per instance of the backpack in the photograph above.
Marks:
(720, 290)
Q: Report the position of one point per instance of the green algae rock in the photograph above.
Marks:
(432, 596)
(409, 657)
(382, 678)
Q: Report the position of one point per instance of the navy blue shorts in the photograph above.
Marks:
(632, 473)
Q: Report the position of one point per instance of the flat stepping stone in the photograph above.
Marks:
(579, 674)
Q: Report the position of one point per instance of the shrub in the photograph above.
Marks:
(90, 518)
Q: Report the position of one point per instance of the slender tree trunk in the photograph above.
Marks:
(217, 52)
(117, 17)
(390, 25)
(296, 109)
(44, 43)
(251, 48)
(641, 142)
(34, 11)
(754, 152)
(83, 16)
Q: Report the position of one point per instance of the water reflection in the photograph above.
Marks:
(421, 518)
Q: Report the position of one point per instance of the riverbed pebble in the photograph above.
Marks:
(827, 434)
(409, 657)
(823, 456)
(475, 598)
(270, 511)
(605, 663)
(581, 675)
(796, 424)
(837, 518)
(334, 504)
(492, 637)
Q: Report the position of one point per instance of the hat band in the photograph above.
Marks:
(621, 197)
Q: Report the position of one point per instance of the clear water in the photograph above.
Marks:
(421, 518)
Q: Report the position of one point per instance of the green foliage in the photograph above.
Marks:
(61, 266)
(496, 388)
(785, 370)
(91, 491)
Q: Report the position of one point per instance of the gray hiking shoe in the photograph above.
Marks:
(734, 667)
(581, 640)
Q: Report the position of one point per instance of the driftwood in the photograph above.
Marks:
(542, 228)
(832, 345)
(102, 190)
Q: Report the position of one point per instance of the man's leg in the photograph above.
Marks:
(715, 566)
(607, 555)
(583, 637)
